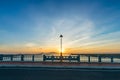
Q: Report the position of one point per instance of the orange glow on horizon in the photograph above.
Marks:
(87, 49)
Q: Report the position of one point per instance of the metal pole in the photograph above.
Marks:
(61, 46)
(61, 36)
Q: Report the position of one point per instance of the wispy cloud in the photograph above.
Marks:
(80, 33)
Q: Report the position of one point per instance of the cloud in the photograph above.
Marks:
(73, 30)
(80, 33)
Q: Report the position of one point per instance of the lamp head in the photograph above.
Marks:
(61, 36)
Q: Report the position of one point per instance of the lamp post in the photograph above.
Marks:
(61, 36)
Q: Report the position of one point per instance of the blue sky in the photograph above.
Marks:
(87, 25)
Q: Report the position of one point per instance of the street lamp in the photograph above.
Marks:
(61, 36)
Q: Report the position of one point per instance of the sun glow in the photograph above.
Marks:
(63, 50)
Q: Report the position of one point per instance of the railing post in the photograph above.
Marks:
(99, 58)
(89, 59)
(111, 59)
(1, 57)
(33, 57)
(44, 58)
(69, 58)
(11, 57)
(78, 58)
(52, 58)
(22, 57)
(61, 59)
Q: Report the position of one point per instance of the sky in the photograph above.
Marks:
(34, 26)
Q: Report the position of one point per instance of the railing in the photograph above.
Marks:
(68, 58)
(21, 57)
(88, 58)
(81, 58)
